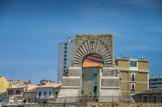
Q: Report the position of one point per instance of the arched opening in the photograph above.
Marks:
(91, 75)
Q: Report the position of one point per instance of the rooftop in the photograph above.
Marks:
(31, 90)
(152, 91)
(50, 85)
(132, 59)
(156, 77)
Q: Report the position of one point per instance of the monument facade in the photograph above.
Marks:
(84, 45)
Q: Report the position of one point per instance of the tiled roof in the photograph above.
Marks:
(152, 91)
(91, 64)
(49, 85)
(31, 90)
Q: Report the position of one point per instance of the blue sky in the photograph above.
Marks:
(30, 31)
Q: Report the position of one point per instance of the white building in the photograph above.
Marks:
(65, 53)
(155, 81)
(45, 92)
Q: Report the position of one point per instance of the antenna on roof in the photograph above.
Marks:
(142, 56)
(120, 55)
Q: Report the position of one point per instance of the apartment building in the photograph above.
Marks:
(155, 82)
(65, 53)
(134, 75)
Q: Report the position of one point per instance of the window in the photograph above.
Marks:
(155, 98)
(133, 64)
(64, 67)
(133, 77)
(133, 87)
(65, 43)
(64, 63)
(65, 51)
(49, 93)
(83, 72)
(45, 93)
(144, 98)
(18, 91)
(82, 83)
(56, 94)
(82, 91)
(39, 94)
(95, 81)
(95, 71)
(136, 98)
(65, 55)
(65, 47)
(161, 98)
(10, 92)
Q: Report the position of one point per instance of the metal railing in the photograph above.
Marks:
(85, 99)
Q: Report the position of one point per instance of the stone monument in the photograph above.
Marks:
(85, 44)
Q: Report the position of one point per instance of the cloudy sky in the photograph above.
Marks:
(30, 31)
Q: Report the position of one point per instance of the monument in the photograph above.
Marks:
(84, 45)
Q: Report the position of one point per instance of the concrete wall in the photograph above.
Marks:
(61, 56)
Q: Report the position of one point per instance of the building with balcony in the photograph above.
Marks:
(155, 82)
(15, 95)
(134, 75)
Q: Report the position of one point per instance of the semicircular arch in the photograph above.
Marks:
(95, 47)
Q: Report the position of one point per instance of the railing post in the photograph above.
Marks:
(65, 100)
(112, 98)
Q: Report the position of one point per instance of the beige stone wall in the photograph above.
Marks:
(141, 76)
(140, 87)
(123, 64)
(141, 82)
(125, 76)
(143, 66)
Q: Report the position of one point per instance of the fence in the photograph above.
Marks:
(102, 99)
(85, 99)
